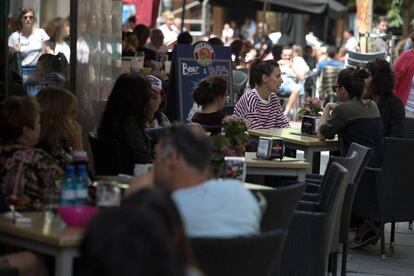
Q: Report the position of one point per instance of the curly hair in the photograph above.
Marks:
(382, 81)
(130, 96)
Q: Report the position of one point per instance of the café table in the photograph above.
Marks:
(294, 139)
(288, 166)
(53, 239)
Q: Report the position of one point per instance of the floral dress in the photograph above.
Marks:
(27, 176)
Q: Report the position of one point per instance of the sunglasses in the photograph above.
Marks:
(335, 87)
(28, 17)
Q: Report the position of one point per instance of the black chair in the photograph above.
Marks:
(241, 256)
(386, 195)
(355, 162)
(309, 240)
(409, 133)
(281, 202)
(106, 156)
(357, 59)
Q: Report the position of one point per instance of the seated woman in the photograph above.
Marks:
(61, 134)
(210, 94)
(260, 105)
(156, 118)
(379, 86)
(353, 119)
(26, 173)
(125, 119)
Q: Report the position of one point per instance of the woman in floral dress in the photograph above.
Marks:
(27, 174)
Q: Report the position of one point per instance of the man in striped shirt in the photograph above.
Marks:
(261, 106)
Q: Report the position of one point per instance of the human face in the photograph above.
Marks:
(155, 102)
(274, 80)
(286, 54)
(27, 19)
(382, 26)
(341, 93)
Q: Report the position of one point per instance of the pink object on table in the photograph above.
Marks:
(77, 215)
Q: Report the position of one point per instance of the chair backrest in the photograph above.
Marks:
(328, 79)
(357, 59)
(310, 235)
(281, 202)
(250, 255)
(396, 180)
(408, 128)
(106, 155)
(240, 80)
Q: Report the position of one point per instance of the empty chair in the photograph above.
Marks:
(106, 156)
(281, 202)
(355, 59)
(241, 256)
(328, 79)
(311, 232)
(386, 194)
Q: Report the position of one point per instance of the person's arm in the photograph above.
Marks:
(324, 119)
(136, 142)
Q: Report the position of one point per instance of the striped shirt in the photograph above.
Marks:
(261, 113)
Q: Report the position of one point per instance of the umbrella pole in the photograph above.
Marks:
(183, 16)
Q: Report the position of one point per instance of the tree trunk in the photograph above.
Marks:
(407, 16)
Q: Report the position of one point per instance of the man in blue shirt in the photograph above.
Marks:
(330, 61)
(208, 207)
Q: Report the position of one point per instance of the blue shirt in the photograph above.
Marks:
(329, 62)
(218, 208)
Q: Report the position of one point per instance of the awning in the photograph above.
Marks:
(331, 8)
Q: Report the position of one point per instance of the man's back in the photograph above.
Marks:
(218, 208)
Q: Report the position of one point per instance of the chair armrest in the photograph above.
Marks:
(310, 206)
(310, 196)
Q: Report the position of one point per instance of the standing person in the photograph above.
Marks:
(260, 105)
(168, 29)
(381, 31)
(210, 94)
(353, 119)
(404, 79)
(29, 41)
(56, 29)
(379, 87)
(227, 34)
(61, 135)
(350, 42)
(125, 118)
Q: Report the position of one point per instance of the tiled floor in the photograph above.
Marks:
(399, 261)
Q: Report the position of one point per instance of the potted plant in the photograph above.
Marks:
(310, 113)
(231, 142)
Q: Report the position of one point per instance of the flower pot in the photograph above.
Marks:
(310, 124)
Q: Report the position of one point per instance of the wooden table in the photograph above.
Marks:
(311, 146)
(54, 239)
(287, 166)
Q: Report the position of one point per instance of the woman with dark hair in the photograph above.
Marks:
(145, 236)
(156, 117)
(379, 87)
(210, 94)
(29, 41)
(353, 119)
(260, 105)
(61, 134)
(125, 119)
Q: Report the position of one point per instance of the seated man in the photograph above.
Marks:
(293, 74)
(208, 207)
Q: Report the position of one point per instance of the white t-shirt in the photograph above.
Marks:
(63, 47)
(30, 47)
(170, 33)
(218, 208)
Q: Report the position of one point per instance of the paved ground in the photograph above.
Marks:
(399, 261)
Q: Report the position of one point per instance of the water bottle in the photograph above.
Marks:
(68, 187)
(82, 185)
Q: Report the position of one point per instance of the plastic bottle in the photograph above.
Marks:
(68, 187)
(82, 185)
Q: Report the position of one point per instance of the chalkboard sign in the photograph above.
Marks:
(194, 63)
